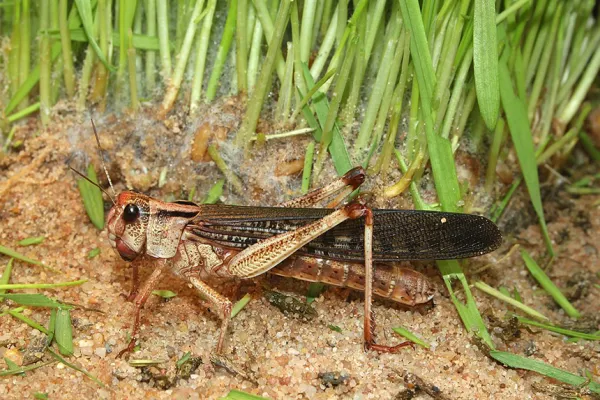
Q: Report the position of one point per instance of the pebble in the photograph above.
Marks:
(98, 339)
(86, 347)
(310, 390)
(100, 352)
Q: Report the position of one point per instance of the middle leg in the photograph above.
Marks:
(369, 317)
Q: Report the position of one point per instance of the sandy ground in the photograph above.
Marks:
(281, 356)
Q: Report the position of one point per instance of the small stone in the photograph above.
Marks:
(86, 347)
(293, 351)
(100, 352)
(98, 339)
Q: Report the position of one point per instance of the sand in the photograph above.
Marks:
(281, 357)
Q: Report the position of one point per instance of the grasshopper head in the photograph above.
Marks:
(128, 224)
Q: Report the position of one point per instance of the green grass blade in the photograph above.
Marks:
(76, 368)
(92, 198)
(165, 294)
(516, 115)
(63, 332)
(308, 161)
(257, 99)
(93, 253)
(28, 321)
(485, 61)
(506, 298)
(589, 146)
(215, 192)
(14, 286)
(558, 329)
(32, 79)
(224, 47)
(419, 47)
(232, 178)
(32, 240)
(239, 395)
(549, 286)
(33, 300)
(314, 290)
(16, 255)
(87, 20)
(410, 336)
(337, 148)
(25, 369)
(515, 361)
(5, 277)
(237, 307)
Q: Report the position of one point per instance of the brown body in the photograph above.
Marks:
(330, 245)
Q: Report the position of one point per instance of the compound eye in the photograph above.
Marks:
(131, 213)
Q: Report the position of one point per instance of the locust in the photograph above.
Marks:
(345, 243)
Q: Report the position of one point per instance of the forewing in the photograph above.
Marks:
(398, 234)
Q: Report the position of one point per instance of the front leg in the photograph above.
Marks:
(222, 306)
(139, 301)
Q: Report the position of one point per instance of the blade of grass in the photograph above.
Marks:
(240, 304)
(516, 115)
(165, 294)
(410, 336)
(182, 59)
(5, 277)
(229, 175)
(215, 192)
(337, 148)
(507, 299)
(257, 99)
(332, 113)
(76, 368)
(33, 300)
(22, 114)
(241, 45)
(589, 146)
(314, 290)
(92, 198)
(19, 256)
(201, 55)
(28, 321)
(308, 162)
(239, 395)
(45, 62)
(85, 13)
(549, 286)
(515, 361)
(224, 46)
(63, 332)
(14, 286)
(485, 61)
(21, 370)
(32, 79)
(31, 241)
(557, 329)
(93, 253)
(145, 362)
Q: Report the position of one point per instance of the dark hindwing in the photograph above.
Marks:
(398, 234)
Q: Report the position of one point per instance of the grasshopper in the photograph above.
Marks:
(336, 245)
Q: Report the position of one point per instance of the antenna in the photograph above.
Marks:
(103, 163)
(93, 183)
